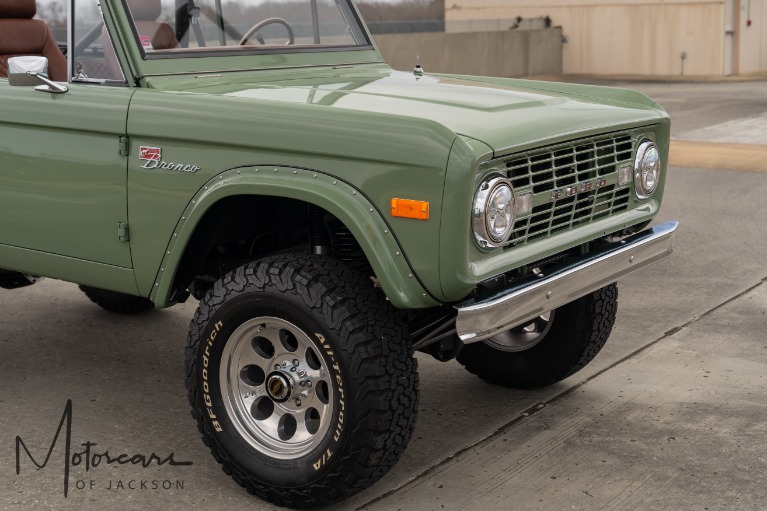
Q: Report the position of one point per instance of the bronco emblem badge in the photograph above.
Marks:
(152, 158)
(149, 153)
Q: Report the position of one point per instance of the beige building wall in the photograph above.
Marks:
(752, 50)
(618, 37)
(515, 54)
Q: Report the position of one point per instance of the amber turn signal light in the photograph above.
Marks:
(407, 208)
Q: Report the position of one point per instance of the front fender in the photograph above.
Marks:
(348, 204)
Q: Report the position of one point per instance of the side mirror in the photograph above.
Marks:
(18, 67)
(32, 72)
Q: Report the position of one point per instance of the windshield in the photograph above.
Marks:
(168, 28)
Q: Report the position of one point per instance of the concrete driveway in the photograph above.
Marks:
(670, 415)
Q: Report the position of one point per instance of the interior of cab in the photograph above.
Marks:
(154, 34)
(181, 26)
(169, 27)
(39, 29)
(21, 35)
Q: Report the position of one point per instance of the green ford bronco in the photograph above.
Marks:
(331, 215)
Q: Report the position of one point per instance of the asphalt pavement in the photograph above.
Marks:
(670, 415)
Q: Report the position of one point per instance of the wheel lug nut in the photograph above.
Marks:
(301, 373)
(284, 364)
(295, 362)
(276, 366)
(298, 402)
(308, 384)
(302, 383)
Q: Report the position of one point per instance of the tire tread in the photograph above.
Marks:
(383, 373)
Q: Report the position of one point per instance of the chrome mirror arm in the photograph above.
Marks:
(49, 85)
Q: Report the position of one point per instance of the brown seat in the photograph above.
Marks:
(145, 14)
(20, 35)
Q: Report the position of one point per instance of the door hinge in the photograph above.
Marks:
(123, 145)
(122, 231)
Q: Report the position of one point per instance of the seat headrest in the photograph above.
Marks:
(145, 10)
(18, 9)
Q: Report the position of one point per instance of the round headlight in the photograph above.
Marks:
(493, 212)
(646, 169)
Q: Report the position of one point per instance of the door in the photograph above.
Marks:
(62, 174)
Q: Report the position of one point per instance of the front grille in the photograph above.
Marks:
(565, 213)
(589, 166)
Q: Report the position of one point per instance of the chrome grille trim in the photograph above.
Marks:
(575, 163)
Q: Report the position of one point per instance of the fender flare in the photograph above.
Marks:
(344, 201)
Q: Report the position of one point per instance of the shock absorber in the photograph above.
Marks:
(318, 233)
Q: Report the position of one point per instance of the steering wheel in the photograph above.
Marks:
(268, 21)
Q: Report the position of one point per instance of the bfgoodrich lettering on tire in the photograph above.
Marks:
(548, 349)
(300, 379)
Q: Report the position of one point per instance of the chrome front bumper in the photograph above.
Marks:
(477, 321)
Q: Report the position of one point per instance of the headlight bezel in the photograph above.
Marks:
(642, 167)
(483, 232)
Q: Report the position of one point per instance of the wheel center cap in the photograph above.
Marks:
(278, 387)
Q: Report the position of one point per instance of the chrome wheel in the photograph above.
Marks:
(523, 337)
(276, 387)
(301, 379)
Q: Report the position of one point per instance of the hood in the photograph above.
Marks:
(505, 114)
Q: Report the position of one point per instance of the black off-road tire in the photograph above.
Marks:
(578, 331)
(117, 302)
(357, 334)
